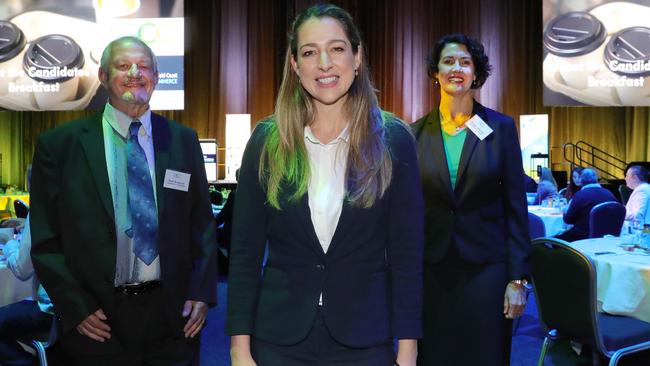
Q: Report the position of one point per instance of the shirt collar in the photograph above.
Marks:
(120, 121)
(591, 185)
(343, 136)
(642, 184)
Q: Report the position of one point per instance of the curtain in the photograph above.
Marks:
(235, 53)
(12, 164)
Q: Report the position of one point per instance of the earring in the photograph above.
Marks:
(435, 82)
(474, 84)
(356, 72)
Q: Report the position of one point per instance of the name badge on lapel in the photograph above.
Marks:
(479, 127)
(177, 180)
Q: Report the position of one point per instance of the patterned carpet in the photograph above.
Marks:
(526, 343)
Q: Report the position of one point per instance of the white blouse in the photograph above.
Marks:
(326, 190)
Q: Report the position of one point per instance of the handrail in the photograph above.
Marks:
(613, 160)
(586, 154)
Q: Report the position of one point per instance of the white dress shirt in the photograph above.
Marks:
(637, 206)
(326, 190)
(128, 267)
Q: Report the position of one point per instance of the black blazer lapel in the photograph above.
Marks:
(346, 220)
(161, 146)
(470, 143)
(304, 214)
(92, 140)
(430, 143)
(468, 148)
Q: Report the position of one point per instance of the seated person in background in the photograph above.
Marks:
(574, 183)
(545, 190)
(583, 201)
(545, 174)
(638, 207)
(215, 196)
(27, 316)
(547, 186)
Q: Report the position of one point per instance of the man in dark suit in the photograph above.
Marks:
(581, 204)
(122, 229)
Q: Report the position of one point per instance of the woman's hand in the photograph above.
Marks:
(240, 351)
(407, 352)
(514, 301)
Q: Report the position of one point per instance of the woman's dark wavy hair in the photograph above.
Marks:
(481, 62)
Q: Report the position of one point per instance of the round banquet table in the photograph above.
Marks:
(11, 288)
(552, 218)
(622, 277)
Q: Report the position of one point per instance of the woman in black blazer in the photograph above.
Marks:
(476, 230)
(329, 185)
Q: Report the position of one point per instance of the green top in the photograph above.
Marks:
(453, 148)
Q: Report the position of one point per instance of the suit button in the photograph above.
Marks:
(452, 211)
(320, 266)
(111, 235)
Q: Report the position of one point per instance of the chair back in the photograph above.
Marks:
(536, 226)
(565, 286)
(41, 341)
(606, 218)
(624, 193)
(21, 208)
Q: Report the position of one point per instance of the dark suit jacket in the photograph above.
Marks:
(485, 215)
(73, 227)
(580, 208)
(370, 277)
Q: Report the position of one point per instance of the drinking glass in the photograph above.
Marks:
(637, 229)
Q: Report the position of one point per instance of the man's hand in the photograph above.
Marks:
(95, 326)
(198, 311)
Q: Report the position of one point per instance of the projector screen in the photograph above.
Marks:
(50, 50)
(596, 52)
(210, 158)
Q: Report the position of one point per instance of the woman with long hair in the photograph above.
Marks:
(546, 188)
(476, 226)
(574, 183)
(329, 189)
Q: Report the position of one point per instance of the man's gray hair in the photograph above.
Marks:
(640, 171)
(106, 55)
(588, 176)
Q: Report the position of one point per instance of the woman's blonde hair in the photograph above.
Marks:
(284, 164)
(547, 175)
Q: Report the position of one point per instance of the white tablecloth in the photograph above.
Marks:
(623, 278)
(552, 217)
(11, 288)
